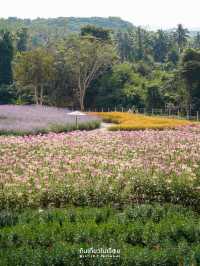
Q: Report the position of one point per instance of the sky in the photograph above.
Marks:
(149, 13)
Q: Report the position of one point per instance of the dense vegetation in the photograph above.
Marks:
(142, 235)
(41, 30)
(105, 64)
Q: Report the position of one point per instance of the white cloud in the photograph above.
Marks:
(156, 13)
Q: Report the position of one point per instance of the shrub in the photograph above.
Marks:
(53, 237)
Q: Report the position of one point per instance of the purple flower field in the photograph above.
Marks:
(35, 119)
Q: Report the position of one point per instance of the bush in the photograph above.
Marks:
(145, 234)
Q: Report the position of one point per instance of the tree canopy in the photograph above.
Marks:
(98, 66)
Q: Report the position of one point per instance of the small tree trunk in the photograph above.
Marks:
(41, 95)
(82, 103)
(82, 97)
(36, 96)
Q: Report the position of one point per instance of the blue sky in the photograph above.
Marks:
(152, 13)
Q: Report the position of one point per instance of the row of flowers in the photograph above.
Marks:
(101, 164)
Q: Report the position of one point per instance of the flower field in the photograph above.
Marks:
(100, 168)
(34, 119)
(129, 121)
(135, 191)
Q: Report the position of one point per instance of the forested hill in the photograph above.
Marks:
(41, 62)
(66, 24)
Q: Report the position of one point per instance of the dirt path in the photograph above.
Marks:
(105, 126)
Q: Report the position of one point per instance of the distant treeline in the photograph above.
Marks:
(49, 61)
(42, 31)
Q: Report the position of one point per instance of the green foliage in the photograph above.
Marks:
(173, 56)
(181, 37)
(161, 44)
(190, 69)
(153, 97)
(99, 33)
(122, 87)
(44, 31)
(6, 56)
(22, 40)
(34, 69)
(125, 45)
(55, 75)
(145, 235)
(8, 94)
(87, 58)
(197, 41)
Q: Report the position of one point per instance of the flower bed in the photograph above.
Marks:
(97, 168)
(129, 121)
(32, 119)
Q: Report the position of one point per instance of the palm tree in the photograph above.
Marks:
(181, 36)
(197, 41)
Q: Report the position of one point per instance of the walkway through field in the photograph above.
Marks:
(105, 126)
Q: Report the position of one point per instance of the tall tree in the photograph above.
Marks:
(160, 46)
(34, 70)
(173, 56)
(87, 59)
(125, 45)
(6, 57)
(181, 37)
(154, 98)
(60, 90)
(190, 69)
(197, 41)
(140, 43)
(22, 40)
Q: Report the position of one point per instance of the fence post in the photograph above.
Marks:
(102, 109)
(108, 109)
(188, 116)
(122, 109)
(76, 121)
(197, 115)
(115, 109)
(152, 111)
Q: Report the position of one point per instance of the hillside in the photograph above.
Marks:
(68, 24)
(41, 30)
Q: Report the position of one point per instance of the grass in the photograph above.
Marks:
(128, 121)
(146, 235)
